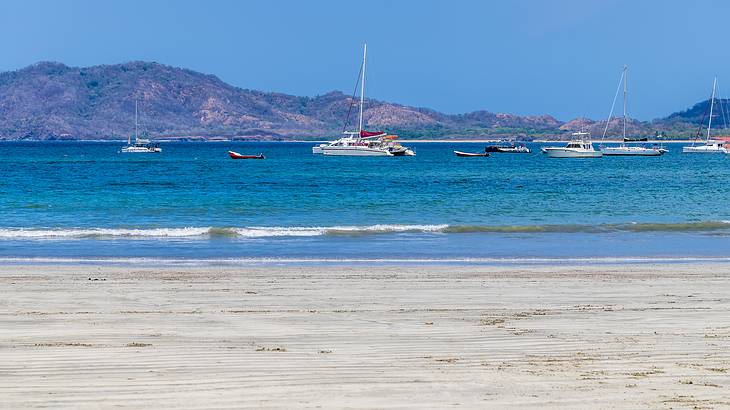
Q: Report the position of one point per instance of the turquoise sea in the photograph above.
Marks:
(85, 201)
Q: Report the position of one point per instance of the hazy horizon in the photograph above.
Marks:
(526, 58)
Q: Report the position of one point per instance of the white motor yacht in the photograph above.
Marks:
(580, 146)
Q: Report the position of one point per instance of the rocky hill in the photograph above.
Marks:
(53, 101)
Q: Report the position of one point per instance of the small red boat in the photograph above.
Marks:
(235, 155)
(471, 154)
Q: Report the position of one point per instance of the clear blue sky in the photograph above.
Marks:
(524, 57)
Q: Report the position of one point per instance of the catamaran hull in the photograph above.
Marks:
(567, 153)
(631, 152)
(355, 152)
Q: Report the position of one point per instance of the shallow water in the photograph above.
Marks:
(85, 200)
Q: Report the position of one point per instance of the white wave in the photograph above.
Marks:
(23, 233)
(191, 232)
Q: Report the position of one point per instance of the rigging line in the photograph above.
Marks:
(613, 105)
(352, 100)
(702, 122)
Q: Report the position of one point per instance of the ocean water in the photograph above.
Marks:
(86, 201)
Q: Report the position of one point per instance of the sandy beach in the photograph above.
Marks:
(625, 336)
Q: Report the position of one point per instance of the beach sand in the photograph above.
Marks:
(629, 336)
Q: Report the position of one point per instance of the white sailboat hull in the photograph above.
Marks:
(558, 152)
(705, 149)
(631, 151)
(141, 150)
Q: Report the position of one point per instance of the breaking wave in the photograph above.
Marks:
(275, 231)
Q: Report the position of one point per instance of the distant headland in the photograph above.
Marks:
(51, 101)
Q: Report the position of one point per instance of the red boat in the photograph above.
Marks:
(471, 154)
(235, 155)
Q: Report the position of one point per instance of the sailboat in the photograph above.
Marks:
(710, 146)
(140, 146)
(624, 149)
(363, 143)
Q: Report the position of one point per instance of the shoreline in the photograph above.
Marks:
(409, 141)
(569, 336)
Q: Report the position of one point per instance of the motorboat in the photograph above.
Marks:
(509, 148)
(625, 149)
(580, 146)
(236, 155)
(471, 154)
(140, 146)
(363, 143)
(710, 146)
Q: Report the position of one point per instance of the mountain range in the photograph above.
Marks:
(51, 101)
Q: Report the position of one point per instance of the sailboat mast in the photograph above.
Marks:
(362, 85)
(712, 104)
(135, 122)
(626, 86)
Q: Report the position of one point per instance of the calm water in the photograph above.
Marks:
(85, 200)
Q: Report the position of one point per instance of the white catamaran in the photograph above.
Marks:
(710, 146)
(624, 149)
(362, 143)
(140, 146)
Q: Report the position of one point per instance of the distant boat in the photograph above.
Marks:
(363, 143)
(235, 155)
(580, 146)
(508, 148)
(710, 146)
(140, 146)
(623, 149)
(471, 154)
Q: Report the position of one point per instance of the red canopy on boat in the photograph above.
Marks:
(366, 134)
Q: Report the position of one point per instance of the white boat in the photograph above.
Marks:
(580, 146)
(710, 146)
(625, 149)
(362, 143)
(140, 146)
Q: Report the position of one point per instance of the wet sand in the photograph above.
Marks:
(630, 336)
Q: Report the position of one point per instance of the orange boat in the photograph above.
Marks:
(235, 155)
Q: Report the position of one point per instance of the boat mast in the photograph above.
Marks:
(135, 122)
(626, 80)
(712, 103)
(362, 86)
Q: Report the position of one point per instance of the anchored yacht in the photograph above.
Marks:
(580, 146)
(710, 146)
(140, 146)
(363, 143)
(625, 149)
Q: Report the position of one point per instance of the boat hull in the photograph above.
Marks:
(355, 152)
(631, 152)
(141, 150)
(235, 155)
(570, 153)
(704, 149)
(471, 154)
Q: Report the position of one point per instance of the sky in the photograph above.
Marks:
(526, 57)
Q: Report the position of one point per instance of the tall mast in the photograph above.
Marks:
(712, 103)
(135, 121)
(626, 86)
(362, 85)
